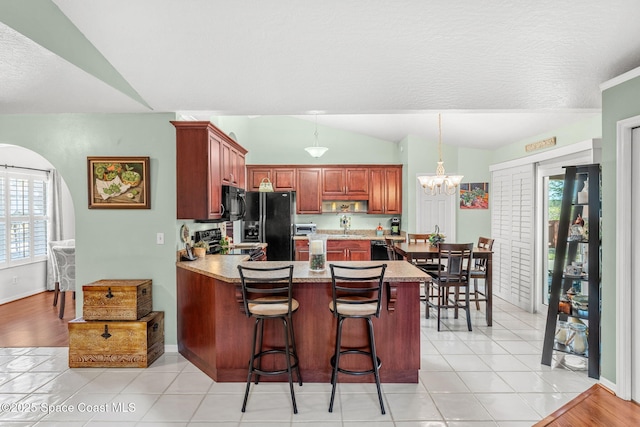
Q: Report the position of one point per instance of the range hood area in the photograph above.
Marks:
(344, 206)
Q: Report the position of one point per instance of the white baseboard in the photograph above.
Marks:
(22, 295)
(608, 384)
(171, 348)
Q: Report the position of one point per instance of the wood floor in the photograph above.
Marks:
(34, 322)
(597, 406)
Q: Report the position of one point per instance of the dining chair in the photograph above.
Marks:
(54, 269)
(65, 265)
(451, 280)
(391, 252)
(424, 264)
(479, 272)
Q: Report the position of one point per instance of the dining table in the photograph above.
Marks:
(411, 251)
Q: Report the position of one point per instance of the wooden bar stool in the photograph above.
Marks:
(356, 293)
(267, 295)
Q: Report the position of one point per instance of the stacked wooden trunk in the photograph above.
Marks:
(118, 327)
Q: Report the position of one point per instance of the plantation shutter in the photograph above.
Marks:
(512, 227)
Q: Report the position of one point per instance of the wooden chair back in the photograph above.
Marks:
(418, 238)
(391, 253)
(454, 262)
(480, 264)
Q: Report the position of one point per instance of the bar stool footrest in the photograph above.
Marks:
(352, 372)
(257, 356)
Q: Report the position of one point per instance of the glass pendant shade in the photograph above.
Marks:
(315, 151)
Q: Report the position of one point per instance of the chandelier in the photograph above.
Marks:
(440, 183)
(315, 150)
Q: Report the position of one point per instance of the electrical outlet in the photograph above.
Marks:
(14, 280)
(160, 239)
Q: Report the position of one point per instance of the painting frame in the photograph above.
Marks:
(474, 195)
(118, 182)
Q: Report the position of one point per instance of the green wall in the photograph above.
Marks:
(113, 243)
(580, 131)
(618, 103)
(474, 165)
(282, 139)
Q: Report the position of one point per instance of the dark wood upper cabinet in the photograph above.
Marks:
(380, 185)
(206, 158)
(308, 191)
(385, 190)
(345, 183)
(282, 178)
(232, 164)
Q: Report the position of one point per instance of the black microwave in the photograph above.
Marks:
(234, 205)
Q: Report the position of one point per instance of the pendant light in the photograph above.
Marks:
(315, 150)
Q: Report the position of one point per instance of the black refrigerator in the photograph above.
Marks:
(269, 219)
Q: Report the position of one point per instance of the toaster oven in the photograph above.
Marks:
(304, 229)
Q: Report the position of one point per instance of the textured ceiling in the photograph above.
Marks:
(498, 70)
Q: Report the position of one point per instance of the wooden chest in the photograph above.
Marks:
(116, 344)
(117, 299)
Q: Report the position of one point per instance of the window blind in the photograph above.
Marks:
(512, 227)
(23, 218)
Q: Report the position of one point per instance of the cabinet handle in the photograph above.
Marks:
(155, 327)
(106, 334)
(109, 295)
(144, 291)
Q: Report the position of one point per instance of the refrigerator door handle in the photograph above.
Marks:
(263, 217)
(244, 207)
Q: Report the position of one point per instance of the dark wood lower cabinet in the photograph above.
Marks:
(215, 335)
(337, 250)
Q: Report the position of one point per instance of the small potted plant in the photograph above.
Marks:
(200, 248)
(436, 237)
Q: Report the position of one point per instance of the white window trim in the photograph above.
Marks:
(30, 176)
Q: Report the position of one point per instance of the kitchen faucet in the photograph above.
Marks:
(345, 222)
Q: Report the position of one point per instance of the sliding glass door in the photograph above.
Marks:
(552, 197)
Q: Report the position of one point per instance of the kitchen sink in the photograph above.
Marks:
(345, 236)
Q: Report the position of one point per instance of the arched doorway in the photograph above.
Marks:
(25, 174)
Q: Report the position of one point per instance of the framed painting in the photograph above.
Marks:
(474, 195)
(118, 182)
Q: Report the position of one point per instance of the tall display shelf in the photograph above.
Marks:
(575, 301)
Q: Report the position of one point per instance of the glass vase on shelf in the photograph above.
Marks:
(578, 338)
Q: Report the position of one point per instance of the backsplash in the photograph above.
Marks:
(358, 222)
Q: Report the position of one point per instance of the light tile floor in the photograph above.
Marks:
(488, 377)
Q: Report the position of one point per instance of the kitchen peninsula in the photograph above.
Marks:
(215, 335)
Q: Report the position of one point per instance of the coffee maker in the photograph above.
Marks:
(395, 226)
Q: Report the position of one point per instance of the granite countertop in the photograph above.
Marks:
(225, 268)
